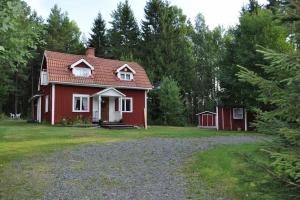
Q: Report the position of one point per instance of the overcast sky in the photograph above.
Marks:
(216, 12)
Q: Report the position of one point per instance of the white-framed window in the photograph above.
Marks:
(81, 103)
(125, 76)
(127, 104)
(47, 103)
(81, 71)
(238, 113)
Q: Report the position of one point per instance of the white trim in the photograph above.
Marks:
(146, 111)
(81, 61)
(205, 112)
(124, 66)
(81, 96)
(46, 103)
(39, 85)
(99, 108)
(217, 117)
(39, 109)
(246, 120)
(98, 85)
(222, 118)
(131, 104)
(106, 90)
(125, 73)
(53, 104)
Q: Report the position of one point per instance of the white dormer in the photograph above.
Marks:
(82, 71)
(125, 72)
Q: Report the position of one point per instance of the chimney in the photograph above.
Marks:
(90, 52)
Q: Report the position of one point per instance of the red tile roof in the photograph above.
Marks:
(104, 73)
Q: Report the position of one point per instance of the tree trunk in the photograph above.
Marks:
(16, 94)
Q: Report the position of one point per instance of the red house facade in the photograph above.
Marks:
(91, 87)
(225, 118)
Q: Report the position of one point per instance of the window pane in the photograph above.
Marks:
(84, 103)
(77, 103)
(127, 76)
(123, 104)
(128, 105)
(123, 76)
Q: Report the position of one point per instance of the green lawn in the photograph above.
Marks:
(225, 171)
(19, 139)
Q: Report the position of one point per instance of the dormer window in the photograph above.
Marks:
(125, 73)
(82, 68)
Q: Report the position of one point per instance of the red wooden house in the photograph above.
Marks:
(225, 118)
(91, 87)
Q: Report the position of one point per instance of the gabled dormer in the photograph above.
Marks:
(125, 73)
(82, 68)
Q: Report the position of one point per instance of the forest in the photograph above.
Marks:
(255, 64)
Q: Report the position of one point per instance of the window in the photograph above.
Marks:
(127, 104)
(47, 103)
(81, 103)
(126, 76)
(238, 113)
(81, 71)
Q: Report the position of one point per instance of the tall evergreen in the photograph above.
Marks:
(256, 27)
(124, 34)
(98, 38)
(62, 34)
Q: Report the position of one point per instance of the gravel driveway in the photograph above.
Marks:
(138, 169)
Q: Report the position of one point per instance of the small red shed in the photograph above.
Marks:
(232, 118)
(207, 119)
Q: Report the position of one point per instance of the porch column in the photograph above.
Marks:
(99, 107)
(120, 107)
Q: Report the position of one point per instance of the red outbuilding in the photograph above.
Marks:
(225, 118)
(94, 88)
(207, 119)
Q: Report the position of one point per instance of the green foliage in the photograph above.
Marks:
(256, 27)
(62, 34)
(124, 34)
(281, 93)
(170, 103)
(99, 38)
(235, 172)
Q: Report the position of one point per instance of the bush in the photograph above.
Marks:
(3, 116)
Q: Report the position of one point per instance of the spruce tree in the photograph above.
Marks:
(98, 38)
(124, 34)
(62, 34)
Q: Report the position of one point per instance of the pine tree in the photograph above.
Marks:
(62, 34)
(124, 34)
(98, 38)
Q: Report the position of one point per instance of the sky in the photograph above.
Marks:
(216, 12)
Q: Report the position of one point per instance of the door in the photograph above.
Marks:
(105, 109)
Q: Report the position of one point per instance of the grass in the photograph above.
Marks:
(19, 139)
(224, 172)
(22, 141)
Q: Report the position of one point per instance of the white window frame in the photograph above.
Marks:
(78, 71)
(131, 104)
(47, 103)
(80, 96)
(125, 73)
(235, 114)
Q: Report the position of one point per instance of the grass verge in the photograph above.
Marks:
(225, 173)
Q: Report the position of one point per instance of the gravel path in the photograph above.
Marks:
(140, 169)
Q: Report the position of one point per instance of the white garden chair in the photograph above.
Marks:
(12, 116)
(18, 116)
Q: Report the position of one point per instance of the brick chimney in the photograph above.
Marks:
(90, 52)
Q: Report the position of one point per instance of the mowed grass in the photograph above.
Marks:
(19, 139)
(230, 172)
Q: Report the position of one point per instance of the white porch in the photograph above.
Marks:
(107, 105)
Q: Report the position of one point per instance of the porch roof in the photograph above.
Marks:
(110, 92)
